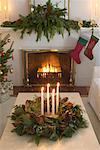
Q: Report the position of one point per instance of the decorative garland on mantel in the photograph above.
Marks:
(47, 20)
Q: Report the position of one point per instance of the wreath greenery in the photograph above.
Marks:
(46, 20)
(27, 119)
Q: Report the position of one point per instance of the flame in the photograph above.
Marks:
(49, 68)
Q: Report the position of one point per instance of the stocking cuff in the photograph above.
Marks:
(83, 41)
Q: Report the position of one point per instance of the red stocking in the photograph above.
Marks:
(76, 52)
(88, 52)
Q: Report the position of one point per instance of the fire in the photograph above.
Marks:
(49, 68)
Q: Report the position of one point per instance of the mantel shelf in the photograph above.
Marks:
(5, 29)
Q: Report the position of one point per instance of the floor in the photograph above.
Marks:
(83, 90)
(7, 106)
(5, 109)
(93, 118)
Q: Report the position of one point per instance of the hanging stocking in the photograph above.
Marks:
(88, 52)
(76, 52)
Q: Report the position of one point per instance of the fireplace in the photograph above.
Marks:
(47, 66)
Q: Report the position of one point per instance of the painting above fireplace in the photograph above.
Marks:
(47, 66)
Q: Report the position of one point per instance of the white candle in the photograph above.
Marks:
(53, 101)
(57, 97)
(42, 101)
(48, 103)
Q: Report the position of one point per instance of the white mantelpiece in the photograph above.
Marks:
(83, 70)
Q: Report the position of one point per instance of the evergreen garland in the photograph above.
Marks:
(46, 20)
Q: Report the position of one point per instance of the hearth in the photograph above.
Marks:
(47, 66)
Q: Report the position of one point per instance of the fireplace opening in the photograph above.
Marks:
(47, 66)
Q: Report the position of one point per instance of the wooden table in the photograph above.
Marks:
(85, 139)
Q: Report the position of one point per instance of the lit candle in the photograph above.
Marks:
(37, 75)
(57, 97)
(42, 101)
(53, 101)
(48, 104)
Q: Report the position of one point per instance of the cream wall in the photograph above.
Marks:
(17, 7)
(79, 9)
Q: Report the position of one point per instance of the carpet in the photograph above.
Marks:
(93, 118)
